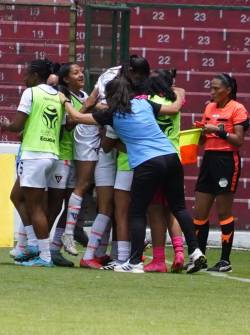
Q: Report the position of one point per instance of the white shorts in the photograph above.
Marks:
(105, 169)
(19, 168)
(63, 175)
(123, 180)
(86, 143)
(35, 172)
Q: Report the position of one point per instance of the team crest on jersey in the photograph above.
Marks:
(50, 117)
(223, 182)
(166, 125)
(74, 215)
(58, 179)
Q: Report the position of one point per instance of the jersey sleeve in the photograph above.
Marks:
(156, 107)
(25, 102)
(239, 115)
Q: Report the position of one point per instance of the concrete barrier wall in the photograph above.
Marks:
(8, 216)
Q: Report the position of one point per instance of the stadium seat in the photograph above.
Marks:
(198, 42)
(35, 13)
(10, 75)
(21, 53)
(38, 32)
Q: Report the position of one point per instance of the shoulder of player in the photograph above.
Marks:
(210, 106)
(236, 109)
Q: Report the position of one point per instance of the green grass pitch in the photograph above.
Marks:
(62, 301)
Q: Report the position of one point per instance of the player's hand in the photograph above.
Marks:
(101, 106)
(210, 128)
(198, 124)
(180, 91)
(4, 123)
(62, 98)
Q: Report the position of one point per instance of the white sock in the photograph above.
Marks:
(102, 249)
(123, 250)
(114, 250)
(21, 238)
(43, 246)
(75, 202)
(56, 244)
(97, 230)
(31, 236)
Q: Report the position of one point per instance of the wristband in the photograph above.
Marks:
(66, 100)
(222, 134)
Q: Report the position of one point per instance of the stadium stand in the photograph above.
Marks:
(199, 41)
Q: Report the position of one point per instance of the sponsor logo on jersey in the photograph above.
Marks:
(47, 139)
(74, 215)
(50, 117)
(166, 125)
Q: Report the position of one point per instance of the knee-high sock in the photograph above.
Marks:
(97, 230)
(21, 237)
(227, 235)
(102, 249)
(159, 254)
(44, 249)
(56, 244)
(202, 230)
(31, 236)
(178, 246)
(187, 227)
(123, 250)
(75, 202)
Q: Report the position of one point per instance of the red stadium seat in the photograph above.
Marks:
(198, 42)
(10, 74)
(10, 95)
(201, 81)
(35, 31)
(35, 13)
(21, 53)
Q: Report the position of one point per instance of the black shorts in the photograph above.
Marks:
(219, 172)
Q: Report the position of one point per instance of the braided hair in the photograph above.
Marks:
(43, 67)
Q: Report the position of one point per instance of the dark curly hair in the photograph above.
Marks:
(43, 67)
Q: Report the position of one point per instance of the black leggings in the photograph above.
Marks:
(165, 172)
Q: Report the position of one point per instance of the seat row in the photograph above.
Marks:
(191, 17)
(34, 13)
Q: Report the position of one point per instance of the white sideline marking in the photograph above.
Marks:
(219, 274)
(224, 275)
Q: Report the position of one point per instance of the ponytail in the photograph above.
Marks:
(118, 95)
